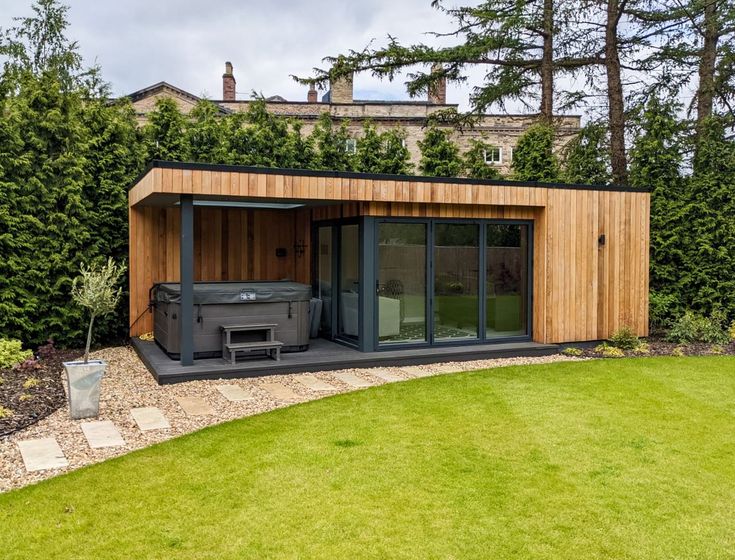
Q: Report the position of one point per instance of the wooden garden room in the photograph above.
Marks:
(382, 269)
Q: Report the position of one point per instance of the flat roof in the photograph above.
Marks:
(376, 176)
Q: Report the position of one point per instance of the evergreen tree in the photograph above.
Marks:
(396, 158)
(439, 155)
(709, 280)
(118, 157)
(300, 148)
(332, 144)
(533, 156)
(586, 157)
(47, 211)
(203, 140)
(656, 164)
(475, 161)
(369, 155)
(164, 132)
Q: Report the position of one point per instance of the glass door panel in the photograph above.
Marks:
(506, 280)
(401, 298)
(349, 282)
(324, 277)
(456, 281)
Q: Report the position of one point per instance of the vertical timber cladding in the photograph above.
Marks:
(229, 244)
(582, 290)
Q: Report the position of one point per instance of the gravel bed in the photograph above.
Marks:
(128, 384)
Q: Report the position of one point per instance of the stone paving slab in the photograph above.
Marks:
(417, 371)
(149, 418)
(352, 380)
(384, 374)
(195, 406)
(446, 368)
(102, 434)
(314, 383)
(234, 393)
(280, 391)
(42, 454)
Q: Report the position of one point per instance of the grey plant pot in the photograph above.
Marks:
(84, 382)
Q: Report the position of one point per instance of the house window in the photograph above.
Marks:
(511, 154)
(493, 156)
(350, 145)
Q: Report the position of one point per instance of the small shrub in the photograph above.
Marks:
(613, 352)
(47, 350)
(642, 348)
(692, 327)
(25, 397)
(716, 349)
(624, 338)
(678, 351)
(601, 347)
(31, 382)
(5, 412)
(661, 308)
(12, 353)
(571, 351)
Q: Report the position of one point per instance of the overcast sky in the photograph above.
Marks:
(186, 42)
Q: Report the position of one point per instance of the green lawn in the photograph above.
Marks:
(621, 459)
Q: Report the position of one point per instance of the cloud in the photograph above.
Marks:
(186, 42)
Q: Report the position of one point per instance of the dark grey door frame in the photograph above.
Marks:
(372, 312)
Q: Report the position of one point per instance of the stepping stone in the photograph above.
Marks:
(195, 406)
(234, 393)
(352, 380)
(102, 434)
(416, 371)
(315, 384)
(280, 391)
(446, 368)
(384, 374)
(42, 454)
(149, 418)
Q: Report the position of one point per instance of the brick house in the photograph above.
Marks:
(501, 131)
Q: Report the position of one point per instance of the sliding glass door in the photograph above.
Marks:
(401, 283)
(506, 280)
(349, 282)
(456, 281)
(441, 281)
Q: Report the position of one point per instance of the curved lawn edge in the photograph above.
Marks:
(527, 453)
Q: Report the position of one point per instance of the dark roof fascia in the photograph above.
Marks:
(376, 176)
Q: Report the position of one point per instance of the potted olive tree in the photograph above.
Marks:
(95, 289)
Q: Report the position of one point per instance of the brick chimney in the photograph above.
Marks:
(438, 92)
(341, 90)
(311, 96)
(228, 83)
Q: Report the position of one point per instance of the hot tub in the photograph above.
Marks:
(218, 304)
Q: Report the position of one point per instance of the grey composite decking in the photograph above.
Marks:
(324, 355)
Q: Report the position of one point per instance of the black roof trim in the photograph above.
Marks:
(377, 176)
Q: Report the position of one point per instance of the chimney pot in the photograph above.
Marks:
(228, 83)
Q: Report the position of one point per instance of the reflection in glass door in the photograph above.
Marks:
(401, 298)
(324, 277)
(506, 280)
(349, 282)
(456, 285)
